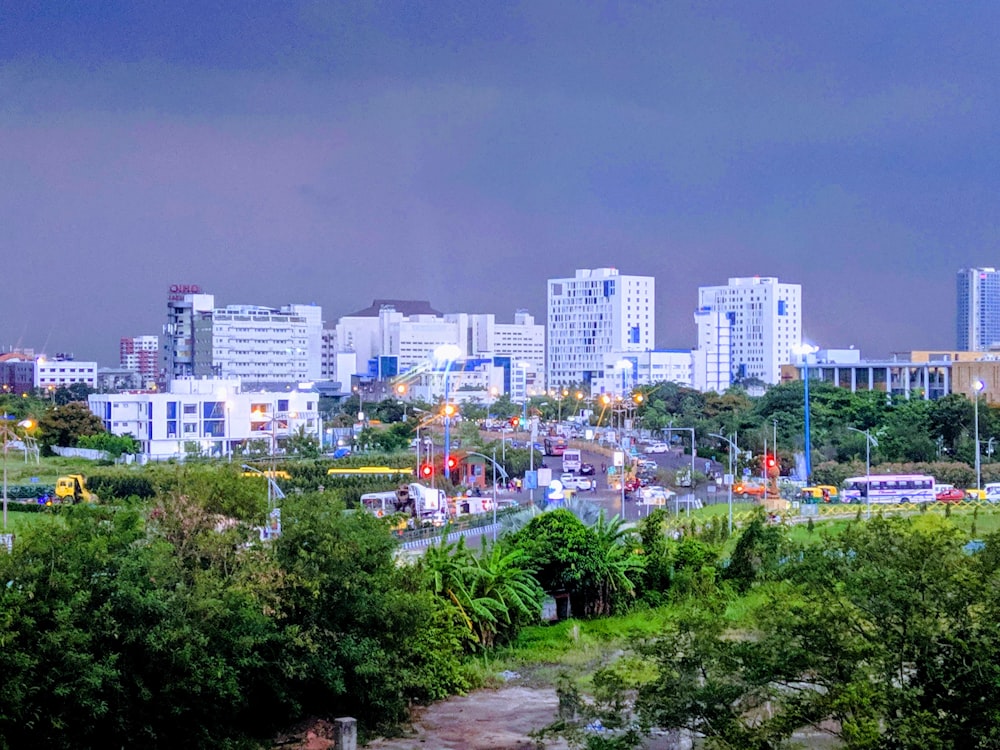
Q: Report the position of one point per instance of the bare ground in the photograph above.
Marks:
(482, 720)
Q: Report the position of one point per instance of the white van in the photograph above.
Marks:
(992, 492)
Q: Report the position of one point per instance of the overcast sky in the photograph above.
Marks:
(464, 152)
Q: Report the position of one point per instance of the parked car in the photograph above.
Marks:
(574, 482)
(655, 448)
(587, 470)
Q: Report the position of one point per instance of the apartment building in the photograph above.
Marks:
(593, 313)
(765, 324)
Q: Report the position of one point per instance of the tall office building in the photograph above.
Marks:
(257, 345)
(596, 312)
(765, 325)
(978, 309)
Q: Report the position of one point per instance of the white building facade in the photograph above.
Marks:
(257, 345)
(596, 312)
(978, 309)
(765, 324)
(207, 417)
(712, 360)
(387, 342)
(62, 373)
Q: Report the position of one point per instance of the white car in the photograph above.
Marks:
(581, 484)
(656, 448)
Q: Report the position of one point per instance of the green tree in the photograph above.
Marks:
(64, 425)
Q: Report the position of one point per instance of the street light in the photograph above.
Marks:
(804, 350)
(26, 424)
(733, 449)
(447, 354)
(869, 442)
(978, 386)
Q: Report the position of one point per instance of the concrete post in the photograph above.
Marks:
(345, 733)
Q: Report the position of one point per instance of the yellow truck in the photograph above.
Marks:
(73, 488)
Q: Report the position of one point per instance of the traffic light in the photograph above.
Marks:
(426, 471)
(452, 462)
(515, 422)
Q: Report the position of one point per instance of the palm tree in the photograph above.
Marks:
(617, 564)
(504, 592)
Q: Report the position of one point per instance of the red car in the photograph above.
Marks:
(951, 495)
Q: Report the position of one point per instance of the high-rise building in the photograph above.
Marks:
(257, 345)
(978, 309)
(596, 312)
(765, 324)
(713, 370)
(141, 354)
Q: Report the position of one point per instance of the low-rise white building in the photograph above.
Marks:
(209, 416)
(62, 373)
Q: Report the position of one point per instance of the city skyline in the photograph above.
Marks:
(465, 153)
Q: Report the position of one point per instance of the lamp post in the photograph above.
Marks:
(7, 433)
(804, 351)
(733, 449)
(869, 442)
(978, 386)
(447, 353)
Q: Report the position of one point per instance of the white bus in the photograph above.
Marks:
(571, 461)
(890, 488)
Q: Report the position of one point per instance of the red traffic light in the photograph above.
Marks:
(426, 471)
(515, 421)
(452, 462)
(770, 461)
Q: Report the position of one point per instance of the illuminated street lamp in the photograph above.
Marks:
(804, 350)
(447, 354)
(8, 432)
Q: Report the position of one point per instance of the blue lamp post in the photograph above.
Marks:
(804, 351)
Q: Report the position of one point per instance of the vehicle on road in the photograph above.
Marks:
(655, 495)
(826, 493)
(974, 494)
(656, 448)
(555, 445)
(587, 470)
(574, 482)
(891, 488)
(948, 494)
(571, 460)
(745, 489)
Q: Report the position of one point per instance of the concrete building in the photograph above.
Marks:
(62, 372)
(262, 346)
(712, 366)
(141, 354)
(207, 417)
(393, 338)
(596, 312)
(765, 318)
(623, 371)
(978, 308)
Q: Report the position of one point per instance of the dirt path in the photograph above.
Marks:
(482, 720)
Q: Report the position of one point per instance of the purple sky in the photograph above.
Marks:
(465, 152)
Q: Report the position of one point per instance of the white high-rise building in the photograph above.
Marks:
(978, 309)
(596, 312)
(765, 324)
(257, 345)
(712, 360)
